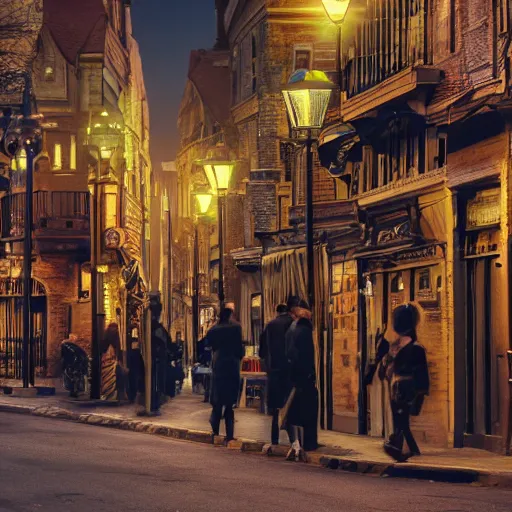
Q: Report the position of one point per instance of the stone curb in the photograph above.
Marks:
(335, 463)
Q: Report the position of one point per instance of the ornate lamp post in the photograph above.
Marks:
(218, 166)
(336, 11)
(307, 97)
(203, 202)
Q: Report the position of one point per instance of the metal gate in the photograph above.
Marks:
(11, 328)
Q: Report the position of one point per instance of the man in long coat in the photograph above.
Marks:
(300, 351)
(225, 340)
(273, 352)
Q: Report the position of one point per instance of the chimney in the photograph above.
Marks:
(222, 42)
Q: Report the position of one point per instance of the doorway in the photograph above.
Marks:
(481, 372)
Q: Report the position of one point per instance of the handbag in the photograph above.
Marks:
(283, 413)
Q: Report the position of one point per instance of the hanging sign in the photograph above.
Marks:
(113, 238)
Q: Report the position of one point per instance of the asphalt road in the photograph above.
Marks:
(48, 465)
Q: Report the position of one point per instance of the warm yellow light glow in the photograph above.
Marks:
(105, 153)
(72, 153)
(203, 202)
(14, 166)
(208, 169)
(223, 174)
(86, 281)
(104, 113)
(21, 160)
(97, 125)
(102, 269)
(110, 211)
(307, 107)
(336, 9)
(57, 157)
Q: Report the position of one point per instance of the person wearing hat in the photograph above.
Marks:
(300, 351)
(273, 352)
(405, 369)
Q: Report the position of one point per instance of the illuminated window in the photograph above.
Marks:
(72, 153)
(57, 157)
(49, 73)
(84, 288)
(110, 206)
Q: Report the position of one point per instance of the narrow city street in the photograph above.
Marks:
(56, 466)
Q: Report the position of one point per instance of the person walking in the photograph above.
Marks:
(225, 340)
(303, 410)
(273, 352)
(160, 340)
(405, 370)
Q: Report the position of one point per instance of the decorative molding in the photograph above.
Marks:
(393, 87)
(403, 187)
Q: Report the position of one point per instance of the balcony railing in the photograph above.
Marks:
(391, 38)
(65, 207)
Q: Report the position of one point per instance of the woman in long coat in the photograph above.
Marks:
(303, 411)
(405, 369)
(225, 340)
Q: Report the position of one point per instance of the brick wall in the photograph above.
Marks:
(59, 275)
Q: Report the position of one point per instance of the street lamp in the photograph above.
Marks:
(337, 11)
(218, 166)
(307, 97)
(203, 202)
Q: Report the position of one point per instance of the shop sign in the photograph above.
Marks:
(484, 210)
(113, 238)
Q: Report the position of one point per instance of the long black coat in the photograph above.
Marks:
(273, 352)
(412, 381)
(301, 356)
(225, 341)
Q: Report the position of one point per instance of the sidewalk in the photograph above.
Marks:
(186, 417)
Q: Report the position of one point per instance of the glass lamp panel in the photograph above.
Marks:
(21, 161)
(308, 106)
(203, 202)
(223, 175)
(336, 9)
(208, 169)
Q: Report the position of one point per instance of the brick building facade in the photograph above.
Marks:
(91, 186)
(411, 193)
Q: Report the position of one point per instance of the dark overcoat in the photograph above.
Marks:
(409, 376)
(300, 351)
(273, 352)
(225, 341)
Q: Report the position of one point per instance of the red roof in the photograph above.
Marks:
(77, 26)
(209, 72)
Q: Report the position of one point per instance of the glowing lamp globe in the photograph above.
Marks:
(307, 97)
(218, 166)
(204, 200)
(336, 9)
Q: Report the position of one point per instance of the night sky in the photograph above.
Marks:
(166, 31)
